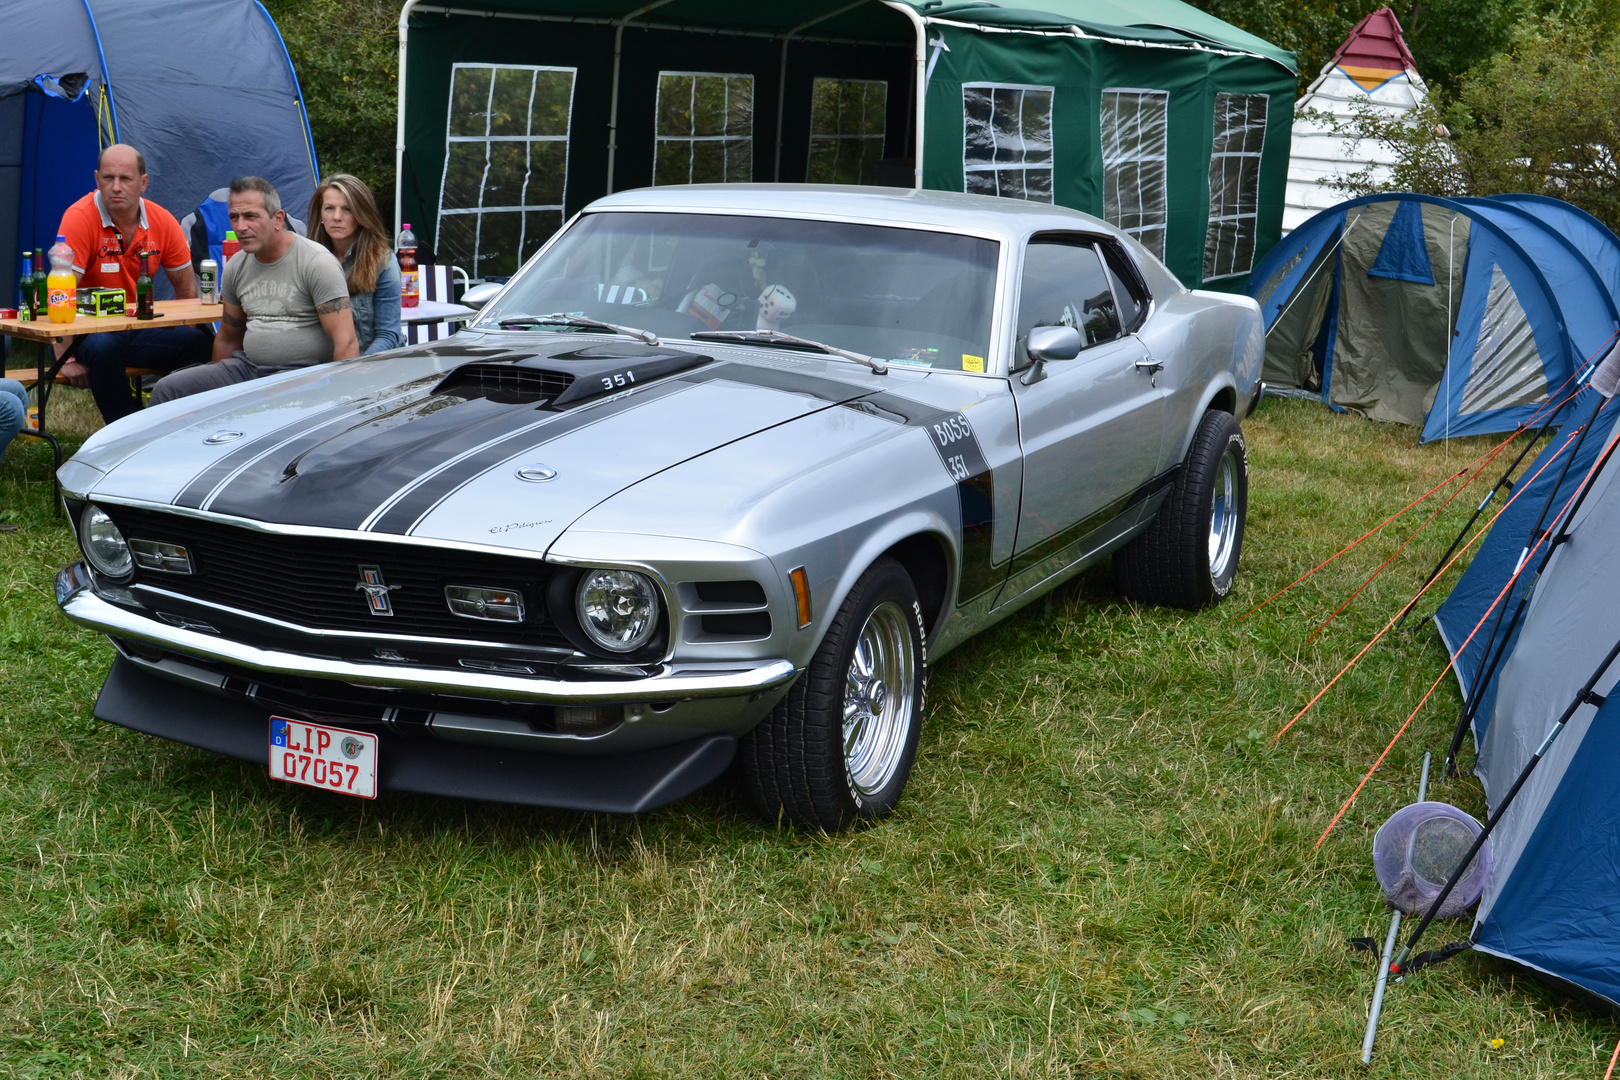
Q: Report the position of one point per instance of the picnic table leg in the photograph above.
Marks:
(47, 379)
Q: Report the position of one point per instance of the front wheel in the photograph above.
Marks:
(1188, 557)
(839, 746)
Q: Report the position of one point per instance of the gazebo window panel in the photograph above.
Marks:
(505, 164)
(847, 121)
(1234, 183)
(1007, 141)
(1134, 127)
(705, 131)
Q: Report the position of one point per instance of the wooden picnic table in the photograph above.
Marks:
(169, 313)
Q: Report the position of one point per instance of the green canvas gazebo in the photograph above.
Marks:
(514, 114)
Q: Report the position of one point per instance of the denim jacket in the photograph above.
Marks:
(376, 314)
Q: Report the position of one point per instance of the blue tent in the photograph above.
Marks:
(203, 88)
(1463, 316)
(1552, 901)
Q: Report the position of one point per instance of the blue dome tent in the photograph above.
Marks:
(1549, 902)
(1462, 316)
(203, 88)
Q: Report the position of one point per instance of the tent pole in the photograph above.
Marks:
(1584, 696)
(1471, 708)
(781, 79)
(613, 99)
(1389, 949)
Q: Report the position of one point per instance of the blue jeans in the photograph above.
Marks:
(13, 411)
(107, 355)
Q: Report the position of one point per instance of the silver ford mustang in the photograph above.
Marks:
(704, 487)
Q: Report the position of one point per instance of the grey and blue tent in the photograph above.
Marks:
(203, 88)
(1462, 316)
(1552, 901)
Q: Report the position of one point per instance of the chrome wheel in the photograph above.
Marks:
(1223, 514)
(880, 688)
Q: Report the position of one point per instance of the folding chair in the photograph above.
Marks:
(438, 286)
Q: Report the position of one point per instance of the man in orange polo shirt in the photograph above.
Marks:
(107, 230)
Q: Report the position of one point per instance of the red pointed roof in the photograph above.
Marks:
(1375, 51)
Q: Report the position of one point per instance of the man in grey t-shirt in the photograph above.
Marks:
(286, 301)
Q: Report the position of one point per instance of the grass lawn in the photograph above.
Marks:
(1103, 866)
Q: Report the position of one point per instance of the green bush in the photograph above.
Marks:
(347, 54)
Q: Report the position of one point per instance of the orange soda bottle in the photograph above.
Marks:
(61, 286)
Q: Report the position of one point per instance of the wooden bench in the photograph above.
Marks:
(29, 376)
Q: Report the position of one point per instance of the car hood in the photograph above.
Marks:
(469, 443)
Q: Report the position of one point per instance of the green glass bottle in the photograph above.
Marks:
(42, 299)
(143, 288)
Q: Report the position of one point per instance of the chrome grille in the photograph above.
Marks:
(311, 581)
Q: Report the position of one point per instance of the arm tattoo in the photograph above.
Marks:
(332, 307)
(233, 322)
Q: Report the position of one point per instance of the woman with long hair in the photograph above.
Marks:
(343, 218)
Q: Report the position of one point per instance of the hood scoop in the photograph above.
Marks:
(569, 378)
(505, 384)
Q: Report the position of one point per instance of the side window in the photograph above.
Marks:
(1064, 284)
(1129, 292)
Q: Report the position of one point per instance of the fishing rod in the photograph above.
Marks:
(1488, 671)
(1585, 696)
(1506, 481)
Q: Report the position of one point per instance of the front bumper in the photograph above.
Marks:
(676, 682)
(627, 783)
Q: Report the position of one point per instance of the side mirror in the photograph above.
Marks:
(479, 295)
(1049, 343)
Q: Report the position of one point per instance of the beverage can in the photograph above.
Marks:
(33, 418)
(208, 281)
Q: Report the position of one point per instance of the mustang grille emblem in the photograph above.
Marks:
(376, 589)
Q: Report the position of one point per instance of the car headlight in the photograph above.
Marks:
(103, 544)
(618, 609)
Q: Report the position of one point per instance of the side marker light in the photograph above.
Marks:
(801, 593)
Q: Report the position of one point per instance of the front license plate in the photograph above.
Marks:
(333, 758)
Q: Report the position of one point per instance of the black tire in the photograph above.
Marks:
(794, 765)
(1175, 563)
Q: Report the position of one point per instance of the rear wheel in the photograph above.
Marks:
(839, 746)
(1188, 557)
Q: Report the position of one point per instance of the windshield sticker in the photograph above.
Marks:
(973, 363)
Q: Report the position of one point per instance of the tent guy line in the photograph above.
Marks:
(1386, 628)
(1471, 707)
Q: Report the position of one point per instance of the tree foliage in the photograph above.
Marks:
(346, 53)
(1448, 38)
(1542, 117)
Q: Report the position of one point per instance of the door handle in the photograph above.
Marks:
(1152, 368)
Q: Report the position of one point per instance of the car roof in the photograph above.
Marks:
(980, 214)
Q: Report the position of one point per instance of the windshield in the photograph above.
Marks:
(909, 297)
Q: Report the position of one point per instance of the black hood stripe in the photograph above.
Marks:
(195, 494)
(422, 499)
(338, 486)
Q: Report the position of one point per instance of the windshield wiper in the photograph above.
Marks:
(560, 319)
(776, 337)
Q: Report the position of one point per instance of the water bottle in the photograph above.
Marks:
(61, 285)
(410, 286)
(230, 246)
